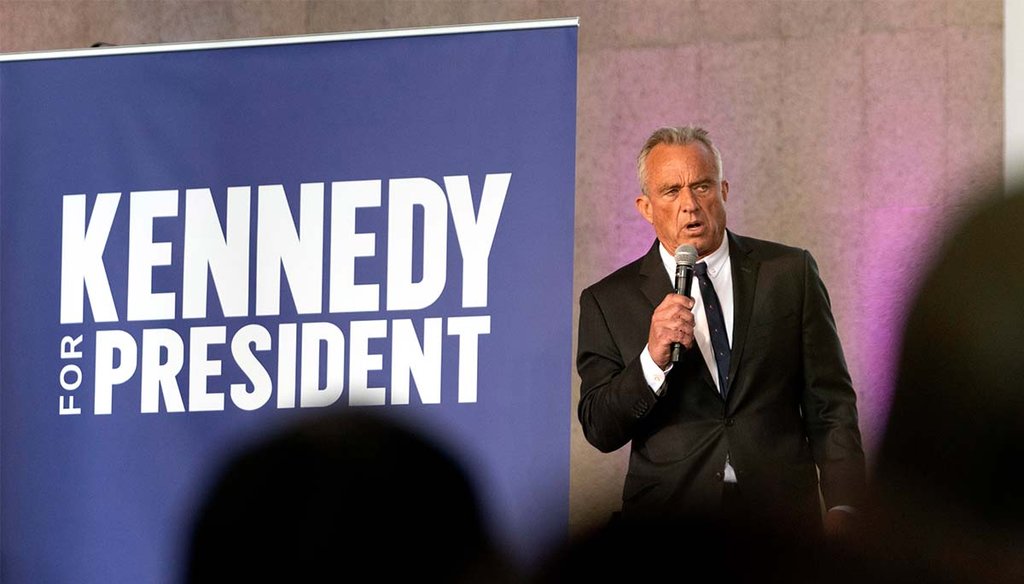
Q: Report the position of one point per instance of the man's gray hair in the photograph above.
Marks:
(677, 136)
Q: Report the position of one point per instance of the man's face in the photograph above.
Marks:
(685, 201)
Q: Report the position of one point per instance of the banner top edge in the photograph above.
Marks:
(292, 39)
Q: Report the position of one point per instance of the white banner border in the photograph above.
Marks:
(291, 40)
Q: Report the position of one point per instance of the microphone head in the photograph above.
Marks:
(686, 255)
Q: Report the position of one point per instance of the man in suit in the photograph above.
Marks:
(760, 398)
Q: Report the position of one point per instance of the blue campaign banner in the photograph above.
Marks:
(203, 243)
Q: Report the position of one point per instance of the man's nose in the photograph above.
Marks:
(688, 201)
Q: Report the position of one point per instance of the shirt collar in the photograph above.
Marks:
(716, 260)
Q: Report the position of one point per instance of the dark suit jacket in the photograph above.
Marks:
(790, 407)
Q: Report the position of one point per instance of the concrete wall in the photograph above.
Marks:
(855, 128)
(1013, 94)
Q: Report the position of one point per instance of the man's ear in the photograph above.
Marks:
(643, 205)
(725, 190)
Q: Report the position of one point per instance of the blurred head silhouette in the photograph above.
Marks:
(951, 469)
(347, 494)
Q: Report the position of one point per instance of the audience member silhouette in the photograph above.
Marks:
(950, 472)
(345, 496)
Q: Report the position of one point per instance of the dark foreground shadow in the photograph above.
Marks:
(344, 496)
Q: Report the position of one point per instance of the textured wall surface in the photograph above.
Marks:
(859, 129)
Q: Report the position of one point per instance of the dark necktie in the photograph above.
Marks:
(716, 324)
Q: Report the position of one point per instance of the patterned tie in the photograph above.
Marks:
(716, 323)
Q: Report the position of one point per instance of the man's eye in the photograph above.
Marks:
(702, 188)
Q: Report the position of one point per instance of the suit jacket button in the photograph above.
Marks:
(718, 475)
(729, 421)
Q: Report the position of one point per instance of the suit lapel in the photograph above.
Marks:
(654, 281)
(744, 284)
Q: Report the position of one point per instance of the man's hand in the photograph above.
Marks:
(839, 523)
(672, 322)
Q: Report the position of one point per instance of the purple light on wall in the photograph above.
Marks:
(898, 245)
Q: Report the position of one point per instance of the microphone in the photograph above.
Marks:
(686, 257)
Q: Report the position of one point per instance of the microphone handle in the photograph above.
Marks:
(683, 283)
